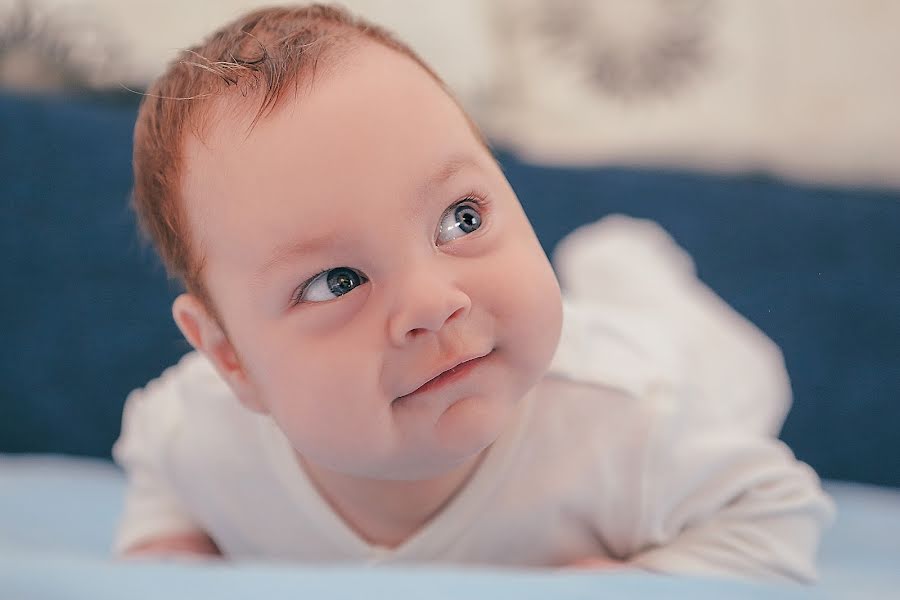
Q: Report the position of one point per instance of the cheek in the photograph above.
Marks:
(311, 373)
(321, 389)
(310, 351)
(527, 303)
(540, 310)
(534, 299)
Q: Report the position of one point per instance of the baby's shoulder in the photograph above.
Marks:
(587, 445)
(192, 381)
(187, 399)
(597, 420)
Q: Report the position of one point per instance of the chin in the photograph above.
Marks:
(423, 472)
(456, 442)
(470, 426)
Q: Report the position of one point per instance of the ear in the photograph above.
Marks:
(206, 335)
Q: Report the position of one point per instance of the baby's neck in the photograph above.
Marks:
(387, 513)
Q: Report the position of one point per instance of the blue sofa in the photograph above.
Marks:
(85, 318)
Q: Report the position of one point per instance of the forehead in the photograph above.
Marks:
(366, 132)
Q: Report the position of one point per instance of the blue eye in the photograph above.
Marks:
(331, 284)
(460, 219)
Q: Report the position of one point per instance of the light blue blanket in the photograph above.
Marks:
(57, 516)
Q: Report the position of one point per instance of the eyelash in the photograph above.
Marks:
(481, 201)
(298, 293)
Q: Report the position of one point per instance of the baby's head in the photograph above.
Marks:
(344, 236)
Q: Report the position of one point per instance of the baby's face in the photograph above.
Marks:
(358, 243)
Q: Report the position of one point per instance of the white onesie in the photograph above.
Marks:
(651, 439)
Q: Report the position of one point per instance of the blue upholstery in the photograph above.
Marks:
(816, 268)
(85, 314)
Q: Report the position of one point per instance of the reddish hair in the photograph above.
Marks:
(259, 56)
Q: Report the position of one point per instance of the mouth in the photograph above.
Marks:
(458, 370)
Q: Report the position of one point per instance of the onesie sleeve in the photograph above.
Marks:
(727, 502)
(151, 418)
(635, 312)
(705, 486)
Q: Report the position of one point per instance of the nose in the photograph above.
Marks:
(425, 302)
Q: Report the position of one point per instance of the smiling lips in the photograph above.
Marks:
(458, 369)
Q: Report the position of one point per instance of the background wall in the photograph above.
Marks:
(806, 89)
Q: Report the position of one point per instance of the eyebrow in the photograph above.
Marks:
(448, 169)
(288, 252)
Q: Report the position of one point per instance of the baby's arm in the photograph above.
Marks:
(726, 502)
(189, 543)
(154, 518)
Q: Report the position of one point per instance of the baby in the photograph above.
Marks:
(381, 374)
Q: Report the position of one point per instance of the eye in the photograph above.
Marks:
(460, 219)
(330, 284)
